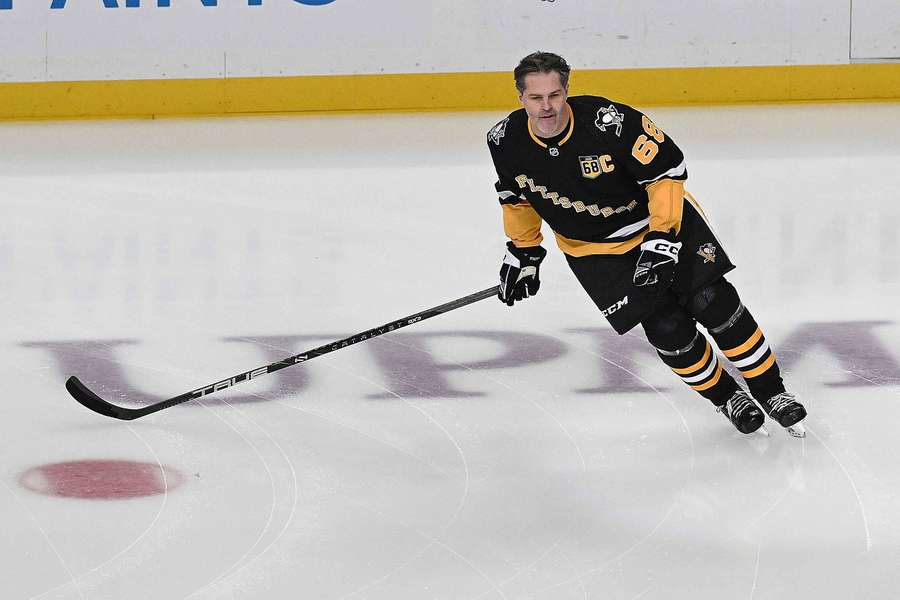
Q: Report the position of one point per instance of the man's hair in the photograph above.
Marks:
(541, 62)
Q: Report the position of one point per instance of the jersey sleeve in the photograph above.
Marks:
(521, 223)
(649, 153)
(666, 203)
(652, 157)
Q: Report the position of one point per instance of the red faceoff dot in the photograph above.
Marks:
(101, 479)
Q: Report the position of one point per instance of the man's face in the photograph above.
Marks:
(544, 100)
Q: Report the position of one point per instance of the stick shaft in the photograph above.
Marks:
(86, 397)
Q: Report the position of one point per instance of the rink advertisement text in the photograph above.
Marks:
(61, 4)
(457, 364)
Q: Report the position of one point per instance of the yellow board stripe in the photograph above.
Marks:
(745, 346)
(711, 382)
(439, 91)
(697, 365)
(761, 368)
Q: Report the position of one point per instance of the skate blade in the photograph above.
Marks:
(762, 431)
(796, 430)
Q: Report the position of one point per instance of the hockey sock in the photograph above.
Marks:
(673, 332)
(699, 367)
(743, 343)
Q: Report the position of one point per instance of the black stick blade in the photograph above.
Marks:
(89, 399)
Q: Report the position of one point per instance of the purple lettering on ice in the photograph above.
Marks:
(863, 357)
(102, 360)
(619, 358)
(412, 367)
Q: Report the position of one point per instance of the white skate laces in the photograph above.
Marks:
(781, 401)
(784, 405)
(742, 412)
(737, 404)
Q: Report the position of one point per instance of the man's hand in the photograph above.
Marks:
(656, 264)
(519, 273)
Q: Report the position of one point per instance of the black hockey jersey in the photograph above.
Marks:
(607, 179)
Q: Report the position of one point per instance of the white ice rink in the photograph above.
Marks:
(486, 454)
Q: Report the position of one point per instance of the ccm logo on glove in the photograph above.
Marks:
(656, 263)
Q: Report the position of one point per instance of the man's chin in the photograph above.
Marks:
(546, 130)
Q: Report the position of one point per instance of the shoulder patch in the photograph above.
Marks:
(609, 117)
(498, 131)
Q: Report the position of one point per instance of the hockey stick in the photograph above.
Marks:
(97, 404)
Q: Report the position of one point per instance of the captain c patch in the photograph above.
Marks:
(592, 166)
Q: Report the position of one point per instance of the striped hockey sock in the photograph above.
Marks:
(699, 367)
(743, 343)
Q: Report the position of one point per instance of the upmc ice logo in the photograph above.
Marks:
(57, 4)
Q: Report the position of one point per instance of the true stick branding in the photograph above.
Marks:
(372, 333)
(61, 4)
(227, 383)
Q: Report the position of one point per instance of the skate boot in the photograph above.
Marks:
(742, 412)
(784, 409)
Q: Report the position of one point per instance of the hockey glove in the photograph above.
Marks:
(519, 273)
(656, 264)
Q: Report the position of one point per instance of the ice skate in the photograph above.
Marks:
(784, 409)
(742, 412)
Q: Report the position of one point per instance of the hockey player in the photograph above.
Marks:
(610, 183)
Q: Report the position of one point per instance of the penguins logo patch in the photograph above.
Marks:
(610, 117)
(708, 252)
(498, 131)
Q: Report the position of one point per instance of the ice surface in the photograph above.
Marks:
(490, 453)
